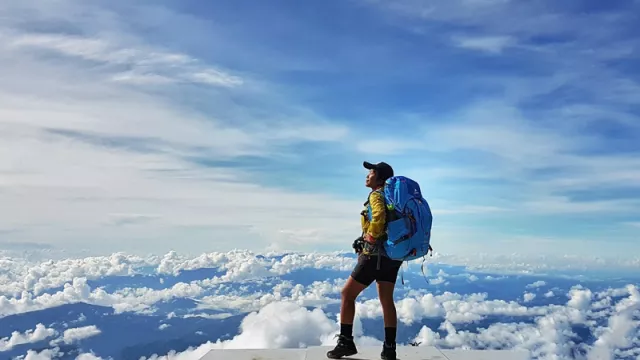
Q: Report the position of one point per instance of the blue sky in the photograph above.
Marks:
(138, 126)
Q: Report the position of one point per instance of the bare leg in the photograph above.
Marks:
(346, 346)
(350, 292)
(385, 293)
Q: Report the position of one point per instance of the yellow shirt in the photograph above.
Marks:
(376, 227)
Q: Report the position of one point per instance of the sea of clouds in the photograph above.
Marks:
(560, 308)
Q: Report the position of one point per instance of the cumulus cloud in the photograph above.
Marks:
(88, 356)
(44, 275)
(40, 333)
(81, 333)
(72, 275)
(236, 265)
(537, 284)
(527, 297)
(54, 353)
(276, 325)
(550, 336)
(46, 354)
(621, 330)
(580, 298)
(248, 282)
(21, 294)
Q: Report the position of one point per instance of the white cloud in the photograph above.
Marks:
(75, 334)
(46, 354)
(537, 284)
(22, 275)
(621, 330)
(40, 333)
(527, 297)
(550, 336)
(20, 293)
(283, 304)
(580, 299)
(88, 356)
(276, 325)
(105, 154)
(72, 274)
(144, 63)
(55, 353)
(489, 44)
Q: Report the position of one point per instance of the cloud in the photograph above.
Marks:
(38, 284)
(55, 353)
(46, 354)
(41, 332)
(489, 44)
(527, 297)
(104, 151)
(549, 336)
(580, 299)
(276, 325)
(88, 356)
(497, 145)
(81, 333)
(254, 285)
(146, 65)
(621, 329)
(537, 284)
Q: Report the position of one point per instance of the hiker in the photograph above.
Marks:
(373, 264)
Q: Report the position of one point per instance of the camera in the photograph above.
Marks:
(358, 244)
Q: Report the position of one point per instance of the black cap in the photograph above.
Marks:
(382, 169)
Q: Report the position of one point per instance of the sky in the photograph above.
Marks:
(208, 126)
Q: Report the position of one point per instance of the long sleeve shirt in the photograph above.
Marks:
(374, 228)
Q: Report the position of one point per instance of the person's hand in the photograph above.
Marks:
(357, 245)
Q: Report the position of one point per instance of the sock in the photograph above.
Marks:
(346, 330)
(390, 335)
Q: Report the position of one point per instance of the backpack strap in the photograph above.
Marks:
(366, 204)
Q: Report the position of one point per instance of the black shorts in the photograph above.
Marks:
(366, 270)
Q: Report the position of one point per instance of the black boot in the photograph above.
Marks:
(345, 347)
(388, 352)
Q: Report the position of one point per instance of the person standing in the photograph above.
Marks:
(373, 265)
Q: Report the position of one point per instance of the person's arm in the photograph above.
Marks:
(376, 226)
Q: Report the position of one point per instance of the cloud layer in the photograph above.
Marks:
(453, 307)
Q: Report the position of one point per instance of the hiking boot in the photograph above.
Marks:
(345, 347)
(388, 352)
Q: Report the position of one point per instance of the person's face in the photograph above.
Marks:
(371, 179)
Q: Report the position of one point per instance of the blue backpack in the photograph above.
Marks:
(409, 220)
